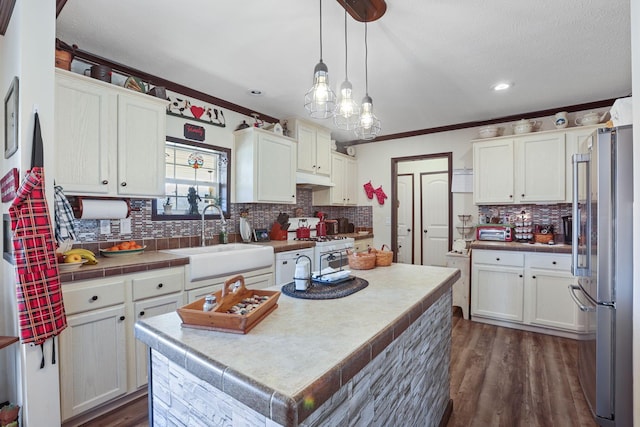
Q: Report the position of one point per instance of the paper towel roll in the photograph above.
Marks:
(103, 209)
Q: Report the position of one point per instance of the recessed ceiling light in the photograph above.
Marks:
(255, 92)
(502, 86)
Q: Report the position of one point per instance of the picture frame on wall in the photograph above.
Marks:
(11, 119)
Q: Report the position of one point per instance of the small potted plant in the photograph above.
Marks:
(167, 206)
(9, 415)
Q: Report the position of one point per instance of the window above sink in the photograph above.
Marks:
(196, 175)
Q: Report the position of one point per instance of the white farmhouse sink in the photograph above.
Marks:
(223, 260)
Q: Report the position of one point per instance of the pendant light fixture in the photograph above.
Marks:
(320, 100)
(347, 110)
(368, 124)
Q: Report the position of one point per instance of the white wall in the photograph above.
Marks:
(374, 163)
(27, 51)
(635, 76)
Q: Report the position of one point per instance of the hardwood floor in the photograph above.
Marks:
(506, 377)
(499, 377)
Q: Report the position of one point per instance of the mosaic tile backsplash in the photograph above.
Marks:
(260, 216)
(539, 214)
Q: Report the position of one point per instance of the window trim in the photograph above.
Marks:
(182, 217)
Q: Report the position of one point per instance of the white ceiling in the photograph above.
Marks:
(431, 62)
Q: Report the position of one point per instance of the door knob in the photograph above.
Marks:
(408, 230)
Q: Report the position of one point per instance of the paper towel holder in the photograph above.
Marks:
(76, 203)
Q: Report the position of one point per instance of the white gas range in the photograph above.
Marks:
(329, 251)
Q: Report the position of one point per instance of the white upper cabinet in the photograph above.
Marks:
(344, 173)
(314, 147)
(265, 167)
(109, 140)
(493, 172)
(530, 168)
(540, 168)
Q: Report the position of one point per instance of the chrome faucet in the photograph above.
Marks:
(222, 218)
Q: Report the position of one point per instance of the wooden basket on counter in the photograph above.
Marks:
(383, 258)
(361, 260)
(542, 238)
(218, 319)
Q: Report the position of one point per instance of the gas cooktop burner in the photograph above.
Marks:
(320, 239)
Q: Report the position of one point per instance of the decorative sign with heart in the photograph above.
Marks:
(197, 111)
(185, 108)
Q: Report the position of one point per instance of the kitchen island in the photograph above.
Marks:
(380, 356)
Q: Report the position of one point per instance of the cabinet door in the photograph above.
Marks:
(497, 292)
(92, 360)
(550, 303)
(85, 135)
(362, 245)
(306, 148)
(350, 184)
(144, 310)
(141, 143)
(338, 167)
(540, 175)
(323, 153)
(276, 158)
(493, 172)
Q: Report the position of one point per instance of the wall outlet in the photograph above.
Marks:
(105, 226)
(125, 226)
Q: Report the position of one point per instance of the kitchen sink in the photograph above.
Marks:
(223, 260)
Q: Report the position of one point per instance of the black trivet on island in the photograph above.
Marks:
(322, 291)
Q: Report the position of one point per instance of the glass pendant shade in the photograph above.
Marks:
(368, 124)
(347, 110)
(320, 100)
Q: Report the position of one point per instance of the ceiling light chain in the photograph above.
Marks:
(320, 100)
(347, 110)
(368, 124)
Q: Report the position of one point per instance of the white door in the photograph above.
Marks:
(405, 218)
(435, 218)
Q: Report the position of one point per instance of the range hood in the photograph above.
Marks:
(309, 180)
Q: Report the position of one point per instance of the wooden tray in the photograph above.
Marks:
(219, 320)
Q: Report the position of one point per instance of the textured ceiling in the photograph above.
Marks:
(431, 63)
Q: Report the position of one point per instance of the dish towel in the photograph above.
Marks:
(38, 291)
(63, 214)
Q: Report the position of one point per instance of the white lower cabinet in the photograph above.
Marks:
(143, 310)
(525, 289)
(361, 245)
(93, 349)
(498, 285)
(100, 359)
(550, 304)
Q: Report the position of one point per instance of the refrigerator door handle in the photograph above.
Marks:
(576, 269)
(574, 297)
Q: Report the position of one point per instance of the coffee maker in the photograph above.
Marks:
(567, 225)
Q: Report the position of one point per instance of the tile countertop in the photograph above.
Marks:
(152, 260)
(273, 360)
(560, 248)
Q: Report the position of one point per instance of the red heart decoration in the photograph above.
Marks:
(197, 111)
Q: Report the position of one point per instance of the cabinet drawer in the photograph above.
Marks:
(498, 258)
(559, 262)
(79, 297)
(156, 283)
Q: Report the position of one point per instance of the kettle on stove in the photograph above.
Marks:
(321, 228)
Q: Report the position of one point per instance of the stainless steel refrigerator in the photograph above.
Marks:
(602, 258)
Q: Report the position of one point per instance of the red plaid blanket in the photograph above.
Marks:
(39, 292)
